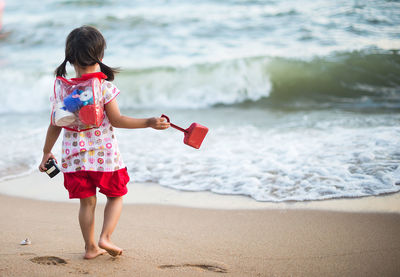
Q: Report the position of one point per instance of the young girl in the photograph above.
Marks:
(91, 158)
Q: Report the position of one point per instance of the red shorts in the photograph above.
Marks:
(82, 184)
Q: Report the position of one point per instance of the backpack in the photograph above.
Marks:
(78, 103)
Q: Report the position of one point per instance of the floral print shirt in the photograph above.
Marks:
(95, 149)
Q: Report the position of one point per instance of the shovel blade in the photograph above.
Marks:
(195, 135)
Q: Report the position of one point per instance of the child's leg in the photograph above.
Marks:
(112, 211)
(86, 221)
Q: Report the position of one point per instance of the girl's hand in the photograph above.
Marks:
(158, 123)
(46, 157)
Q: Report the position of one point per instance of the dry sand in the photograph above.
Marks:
(167, 240)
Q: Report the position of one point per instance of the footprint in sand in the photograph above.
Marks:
(48, 260)
(208, 267)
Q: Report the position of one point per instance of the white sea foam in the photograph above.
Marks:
(271, 165)
(192, 87)
(196, 86)
(25, 93)
(266, 155)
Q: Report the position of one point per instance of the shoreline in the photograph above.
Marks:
(33, 185)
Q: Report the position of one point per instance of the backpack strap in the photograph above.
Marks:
(84, 77)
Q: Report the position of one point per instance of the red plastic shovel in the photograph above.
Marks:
(194, 135)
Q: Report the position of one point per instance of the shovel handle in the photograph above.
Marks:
(173, 125)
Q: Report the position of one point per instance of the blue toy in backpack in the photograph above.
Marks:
(77, 99)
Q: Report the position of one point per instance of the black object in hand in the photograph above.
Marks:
(51, 168)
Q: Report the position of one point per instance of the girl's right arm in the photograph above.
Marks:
(52, 135)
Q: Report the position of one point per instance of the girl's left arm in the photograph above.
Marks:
(121, 121)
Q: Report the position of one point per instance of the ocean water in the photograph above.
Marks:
(302, 98)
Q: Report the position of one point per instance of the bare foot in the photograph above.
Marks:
(93, 252)
(111, 248)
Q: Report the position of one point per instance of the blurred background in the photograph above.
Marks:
(302, 98)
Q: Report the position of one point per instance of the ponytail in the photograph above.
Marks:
(61, 71)
(109, 71)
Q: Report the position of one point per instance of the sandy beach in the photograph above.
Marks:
(173, 240)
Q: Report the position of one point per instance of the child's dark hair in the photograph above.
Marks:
(84, 47)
